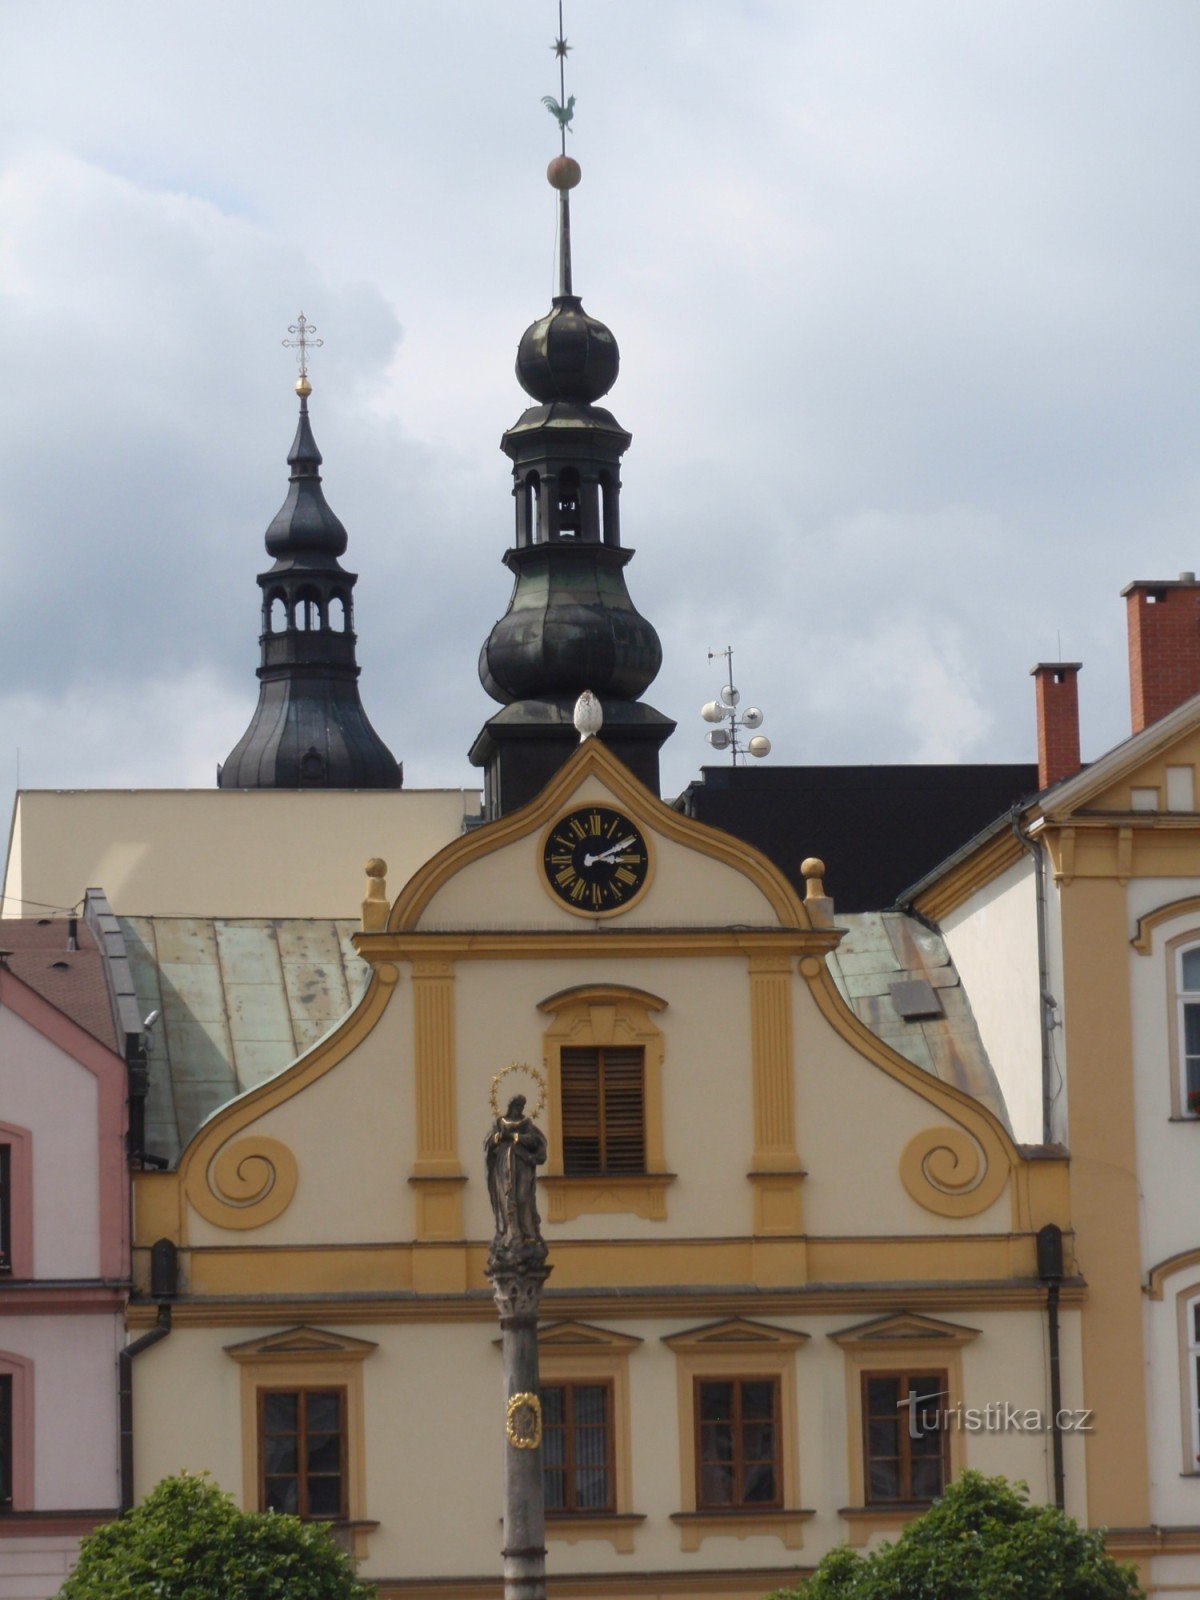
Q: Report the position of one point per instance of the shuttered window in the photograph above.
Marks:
(603, 1110)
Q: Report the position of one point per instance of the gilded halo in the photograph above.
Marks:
(532, 1072)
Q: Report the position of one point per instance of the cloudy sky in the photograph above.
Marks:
(907, 297)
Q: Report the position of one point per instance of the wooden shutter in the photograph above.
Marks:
(603, 1110)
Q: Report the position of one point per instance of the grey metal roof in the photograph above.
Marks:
(239, 999)
(886, 949)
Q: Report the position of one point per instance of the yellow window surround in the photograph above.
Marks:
(894, 1344)
(738, 1348)
(577, 1352)
(594, 1016)
(308, 1358)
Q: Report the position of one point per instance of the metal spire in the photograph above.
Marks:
(563, 172)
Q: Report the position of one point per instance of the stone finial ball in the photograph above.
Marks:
(564, 172)
(376, 867)
(812, 867)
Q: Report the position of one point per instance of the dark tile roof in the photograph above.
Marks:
(878, 829)
(71, 980)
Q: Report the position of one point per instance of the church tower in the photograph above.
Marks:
(309, 729)
(570, 623)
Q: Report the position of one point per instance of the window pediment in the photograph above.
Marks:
(736, 1332)
(583, 1336)
(903, 1330)
(304, 1343)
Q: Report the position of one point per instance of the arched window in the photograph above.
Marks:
(277, 616)
(311, 611)
(609, 514)
(529, 499)
(339, 612)
(568, 503)
(1187, 1000)
(1192, 1387)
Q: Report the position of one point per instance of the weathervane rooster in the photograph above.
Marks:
(561, 114)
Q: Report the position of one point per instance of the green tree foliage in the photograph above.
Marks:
(188, 1541)
(982, 1541)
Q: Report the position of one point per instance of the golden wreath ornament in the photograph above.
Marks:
(523, 1421)
(532, 1072)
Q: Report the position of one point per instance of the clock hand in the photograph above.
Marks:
(607, 855)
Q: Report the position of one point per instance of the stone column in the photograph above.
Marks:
(517, 1267)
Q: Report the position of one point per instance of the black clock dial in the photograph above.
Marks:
(595, 860)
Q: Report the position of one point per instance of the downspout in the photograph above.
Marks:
(1045, 1003)
(1050, 1271)
(164, 1282)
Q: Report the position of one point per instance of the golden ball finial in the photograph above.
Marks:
(812, 867)
(376, 867)
(564, 172)
(303, 387)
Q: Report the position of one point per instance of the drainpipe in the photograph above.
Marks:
(1050, 1271)
(164, 1274)
(1045, 1002)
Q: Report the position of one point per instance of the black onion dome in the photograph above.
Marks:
(567, 355)
(305, 525)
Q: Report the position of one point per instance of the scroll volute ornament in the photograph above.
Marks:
(954, 1173)
(248, 1183)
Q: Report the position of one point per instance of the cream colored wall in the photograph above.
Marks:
(222, 852)
(353, 1169)
(506, 889)
(434, 1422)
(49, 1092)
(992, 939)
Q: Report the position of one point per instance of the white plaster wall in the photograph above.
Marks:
(992, 939)
(224, 852)
(75, 1406)
(434, 1444)
(44, 1089)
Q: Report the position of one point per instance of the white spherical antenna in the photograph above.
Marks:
(718, 738)
(752, 717)
(760, 745)
(713, 712)
(729, 695)
(589, 716)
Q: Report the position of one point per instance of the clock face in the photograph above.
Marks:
(595, 860)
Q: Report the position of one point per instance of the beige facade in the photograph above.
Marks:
(811, 1207)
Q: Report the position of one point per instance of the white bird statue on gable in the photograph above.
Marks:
(589, 715)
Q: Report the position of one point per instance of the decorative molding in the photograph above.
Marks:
(641, 1194)
(1143, 939)
(200, 1156)
(246, 1184)
(777, 1208)
(947, 1171)
(866, 1521)
(593, 759)
(747, 1338)
(439, 1204)
(785, 1525)
(303, 1342)
(904, 1330)
(1158, 1275)
(960, 882)
(619, 1529)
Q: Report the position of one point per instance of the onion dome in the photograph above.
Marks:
(567, 355)
(305, 526)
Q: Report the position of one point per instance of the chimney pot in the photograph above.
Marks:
(1057, 689)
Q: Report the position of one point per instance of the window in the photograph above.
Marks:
(302, 1452)
(303, 1432)
(5, 1208)
(904, 1444)
(1192, 1313)
(737, 1443)
(1187, 990)
(577, 1447)
(6, 1442)
(603, 1053)
(603, 1110)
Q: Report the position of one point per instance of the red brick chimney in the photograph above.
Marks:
(1057, 687)
(1164, 646)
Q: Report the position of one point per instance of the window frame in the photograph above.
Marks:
(16, 1202)
(602, 1016)
(302, 1474)
(570, 1467)
(1180, 999)
(1188, 1302)
(869, 1375)
(601, 1052)
(18, 1374)
(738, 1382)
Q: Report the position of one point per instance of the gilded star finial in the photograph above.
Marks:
(302, 344)
(561, 48)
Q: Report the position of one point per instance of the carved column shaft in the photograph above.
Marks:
(518, 1297)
